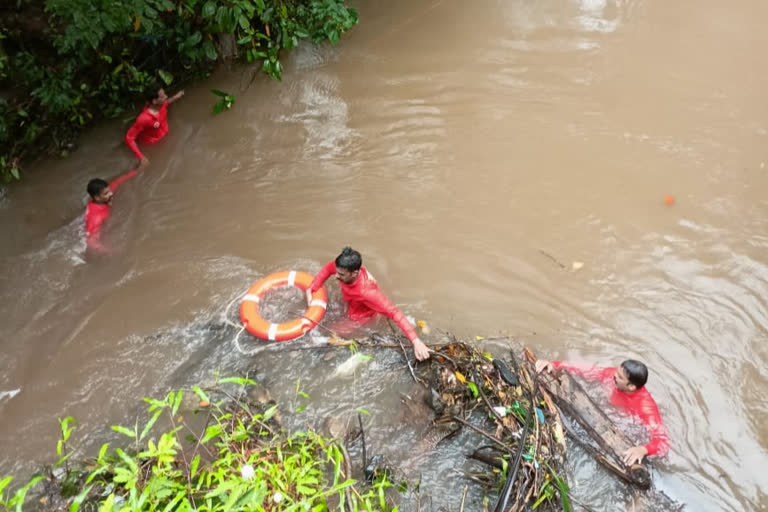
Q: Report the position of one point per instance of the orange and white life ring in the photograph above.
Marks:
(261, 328)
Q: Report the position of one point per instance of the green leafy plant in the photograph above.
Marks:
(236, 459)
(224, 102)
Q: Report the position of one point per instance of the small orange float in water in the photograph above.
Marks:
(670, 200)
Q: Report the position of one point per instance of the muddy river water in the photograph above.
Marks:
(473, 152)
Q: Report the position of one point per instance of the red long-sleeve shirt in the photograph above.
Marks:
(639, 403)
(149, 128)
(364, 299)
(96, 213)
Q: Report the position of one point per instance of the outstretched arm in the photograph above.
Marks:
(176, 97)
(649, 415)
(321, 277)
(115, 183)
(133, 132)
(585, 370)
(379, 302)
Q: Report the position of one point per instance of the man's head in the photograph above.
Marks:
(630, 376)
(348, 265)
(99, 191)
(156, 98)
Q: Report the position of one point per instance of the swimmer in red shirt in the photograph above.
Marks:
(152, 124)
(363, 296)
(628, 393)
(100, 206)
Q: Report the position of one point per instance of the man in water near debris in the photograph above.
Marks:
(628, 393)
(152, 124)
(363, 297)
(100, 206)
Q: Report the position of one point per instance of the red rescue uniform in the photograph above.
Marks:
(639, 404)
(96, 214)
(365, 300)
(149, 128)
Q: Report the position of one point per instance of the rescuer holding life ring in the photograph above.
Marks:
(363, 297)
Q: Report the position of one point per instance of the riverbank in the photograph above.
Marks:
(65, 66)
(224, 446)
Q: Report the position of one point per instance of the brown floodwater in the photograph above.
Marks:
(473, 152)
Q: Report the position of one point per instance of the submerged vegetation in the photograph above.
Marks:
(228, 452)
(66, 63)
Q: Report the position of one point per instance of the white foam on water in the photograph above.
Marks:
(10, 394)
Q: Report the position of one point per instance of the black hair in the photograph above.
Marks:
(96, 186)
(637, 372)
(349, 259)
(150, 92)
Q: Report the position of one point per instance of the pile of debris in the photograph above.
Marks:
(505, 404)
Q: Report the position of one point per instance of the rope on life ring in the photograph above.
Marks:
(255, 324)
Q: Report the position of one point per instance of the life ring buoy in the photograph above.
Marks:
(261, 328)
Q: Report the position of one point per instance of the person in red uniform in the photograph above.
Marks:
(363, 297)
(152, 124)
(628, 393)
(100, 206)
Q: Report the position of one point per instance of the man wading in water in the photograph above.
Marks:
(100, 206)
(152, 124)
(363, 297)
(628, 393)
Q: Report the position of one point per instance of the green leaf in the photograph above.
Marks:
(235, 380)
(221, 489)
(209, 9)
(193, 466)
(122, 476)
(173, 502)
(124, 431)
(177, 403)
(193, 40)
(128, 460)
(219, 107)
(211, 432)
(154, 404)
(94, 474)
(15, 173)
(75, 506)
(108, 504)
(563, 489)
(363, 411)
(63, 459)
(307, 491)
(102, 452)
(210, 50)
(149, 424)
(21, 494)
(222, 94)
(269, 413)
(4, 483)
(166, 76)
(243, 21)
(199, 392)
(473, 387)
